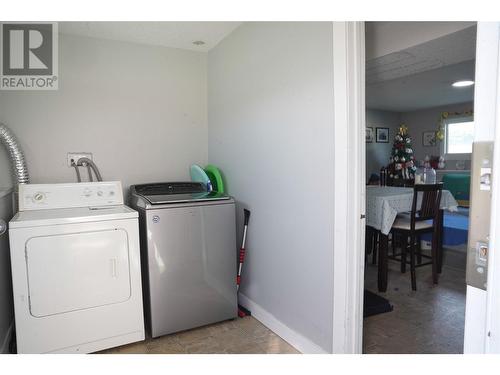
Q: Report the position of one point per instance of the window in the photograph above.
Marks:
(459, 134)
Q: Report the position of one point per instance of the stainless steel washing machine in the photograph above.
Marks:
(188, 255)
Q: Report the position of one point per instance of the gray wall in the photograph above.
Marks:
(271, 131)
(427, 120)
(377, 154)
(141, 110)
(6, 304)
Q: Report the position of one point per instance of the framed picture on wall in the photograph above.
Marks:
(369, 135)
(382, 135)
(429, 139)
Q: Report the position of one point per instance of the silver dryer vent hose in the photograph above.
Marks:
(16, 155)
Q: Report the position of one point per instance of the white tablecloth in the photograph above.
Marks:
(383, 203)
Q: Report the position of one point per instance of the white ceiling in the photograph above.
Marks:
(423, 90)
(447, 50)
(421, 76)
(383, 38)
(167, 34)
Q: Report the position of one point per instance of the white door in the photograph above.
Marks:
(76, 271)
(477, 323)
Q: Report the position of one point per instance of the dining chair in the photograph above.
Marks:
(422, 219)
(371, 243)
(373, 240)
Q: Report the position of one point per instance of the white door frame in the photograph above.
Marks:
(349, 189)
(492, 331)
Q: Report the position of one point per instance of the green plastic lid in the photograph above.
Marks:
(215, 177)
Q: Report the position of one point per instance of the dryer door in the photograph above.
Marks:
(77, 271)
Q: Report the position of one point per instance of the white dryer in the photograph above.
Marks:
(75, 268)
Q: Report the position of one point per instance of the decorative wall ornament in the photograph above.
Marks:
(429, 138)
(382, 135)
(369, 136)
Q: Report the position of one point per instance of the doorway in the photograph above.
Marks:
(419, 125)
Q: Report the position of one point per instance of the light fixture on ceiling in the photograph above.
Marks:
(464, 83)
(198, 42)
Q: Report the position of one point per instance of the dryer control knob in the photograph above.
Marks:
(38, 197)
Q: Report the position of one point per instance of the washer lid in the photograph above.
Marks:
(38, 218)
(176, 192)
(168, 188)
(185, 198)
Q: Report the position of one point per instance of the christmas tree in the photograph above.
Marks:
(402, 161)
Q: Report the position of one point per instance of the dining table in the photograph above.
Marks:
(383, 204)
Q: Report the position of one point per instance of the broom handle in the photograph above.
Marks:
(242, 249)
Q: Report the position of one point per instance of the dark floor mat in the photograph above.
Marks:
(374, 304)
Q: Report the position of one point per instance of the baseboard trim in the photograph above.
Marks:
(299, 342)
(4, 349)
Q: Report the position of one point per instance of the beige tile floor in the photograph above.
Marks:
(239, 336)
(430, 320)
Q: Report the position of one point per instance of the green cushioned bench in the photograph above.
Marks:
(459, 186)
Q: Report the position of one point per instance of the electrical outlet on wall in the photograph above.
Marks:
(74, 156)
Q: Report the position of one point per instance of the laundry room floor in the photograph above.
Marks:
(240, 336)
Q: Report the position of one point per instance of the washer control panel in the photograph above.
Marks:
(84, 194)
